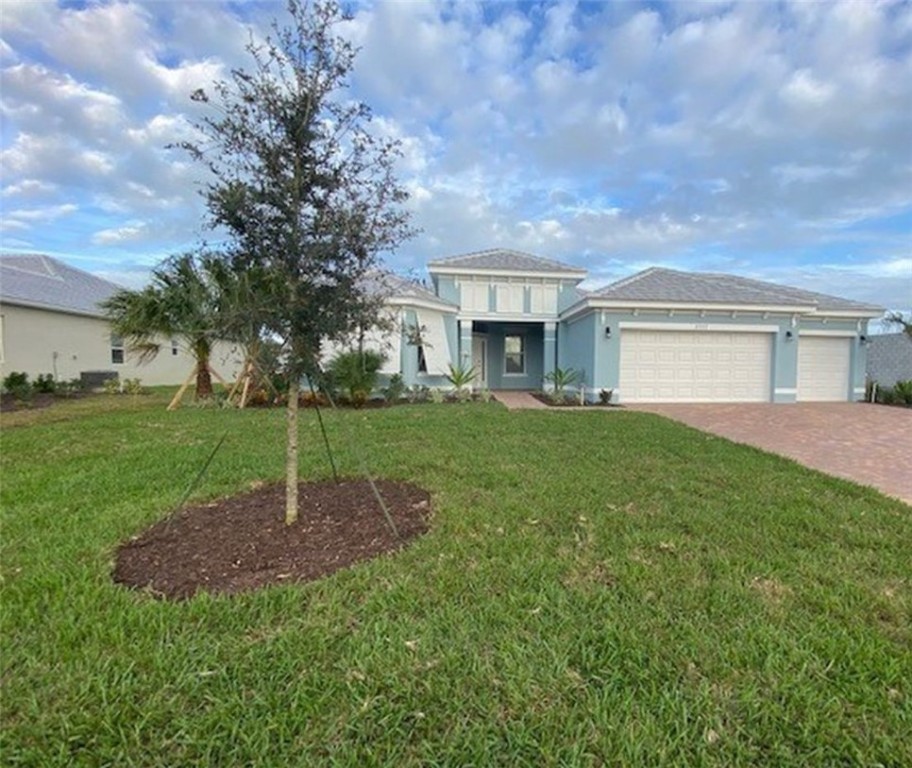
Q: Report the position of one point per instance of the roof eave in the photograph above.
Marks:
(850, 314)
(577, 275)
(405, 301)
(50, 307)
(600, 303)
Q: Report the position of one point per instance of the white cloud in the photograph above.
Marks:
(22, 219)
(28, 188)
(121, 234)
(806, 90)
(703, 135)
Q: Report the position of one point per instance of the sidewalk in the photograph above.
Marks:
(515, 401)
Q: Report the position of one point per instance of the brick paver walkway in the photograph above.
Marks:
(870, 444)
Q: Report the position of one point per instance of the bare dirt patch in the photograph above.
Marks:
(9, 403)
(772, 590)
(241, 543)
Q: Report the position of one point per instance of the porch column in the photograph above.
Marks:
(550, 361)
(465, 343)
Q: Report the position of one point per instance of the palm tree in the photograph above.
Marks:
(897, 318)
(183, 301)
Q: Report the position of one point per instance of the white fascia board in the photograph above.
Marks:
(846, 314)
(404, 301)
(495, 317)
(578, 276)
(51, 308)
(660, 306)
(659, 325)
(816, 332)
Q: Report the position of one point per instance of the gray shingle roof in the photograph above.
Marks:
(504, 260)
(41, 281)
(668, 285)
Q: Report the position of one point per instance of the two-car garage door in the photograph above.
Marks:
(660, 366)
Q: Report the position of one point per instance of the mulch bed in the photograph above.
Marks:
(571, 402)
(241, 543)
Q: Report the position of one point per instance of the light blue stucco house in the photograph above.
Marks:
(658, 336)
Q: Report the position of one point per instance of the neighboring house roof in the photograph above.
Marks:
(659, 285)
(34, 280)
(503, 260)
(889, 358)
(402, 290)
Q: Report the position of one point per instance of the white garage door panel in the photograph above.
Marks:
(694, 366)
(823, 368)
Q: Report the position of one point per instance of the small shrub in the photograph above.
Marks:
(486, 396)
(17, 384)
(463, 395)
(133, 387)
(605, 396)
(259, 397)
(45, 384)
(437, 395)
(418, 393)
(15, 380)
(902, 392)
(899, 394)
(394, 391)
(313, 400)
(461, 377)
(112, 386)
(69, 388)
(560, 379)
(356, 373)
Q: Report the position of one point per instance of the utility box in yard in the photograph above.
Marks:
(96, 379)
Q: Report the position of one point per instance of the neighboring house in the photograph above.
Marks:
(658, 336)
(50, 323)
(889, 358)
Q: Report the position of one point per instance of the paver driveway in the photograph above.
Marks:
(870, 444)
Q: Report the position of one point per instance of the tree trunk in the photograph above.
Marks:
(203, 377)
(291, 454)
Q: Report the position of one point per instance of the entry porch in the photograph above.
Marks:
(508, 355)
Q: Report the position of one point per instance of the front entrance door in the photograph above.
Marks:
(480, 360)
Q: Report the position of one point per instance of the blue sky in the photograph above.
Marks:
(772, 140)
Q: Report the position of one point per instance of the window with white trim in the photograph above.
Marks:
(510, 297)
(514, 355)
(117, 349)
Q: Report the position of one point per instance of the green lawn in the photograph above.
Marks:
(597, 588)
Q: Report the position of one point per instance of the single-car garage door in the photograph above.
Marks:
(694, 367)
(823, 368)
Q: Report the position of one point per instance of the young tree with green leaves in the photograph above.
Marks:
(306, 193)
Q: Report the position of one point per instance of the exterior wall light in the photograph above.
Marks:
(863, 340)
(607, 331)
(789, 336)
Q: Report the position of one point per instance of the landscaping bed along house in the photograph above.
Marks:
(570, 588)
